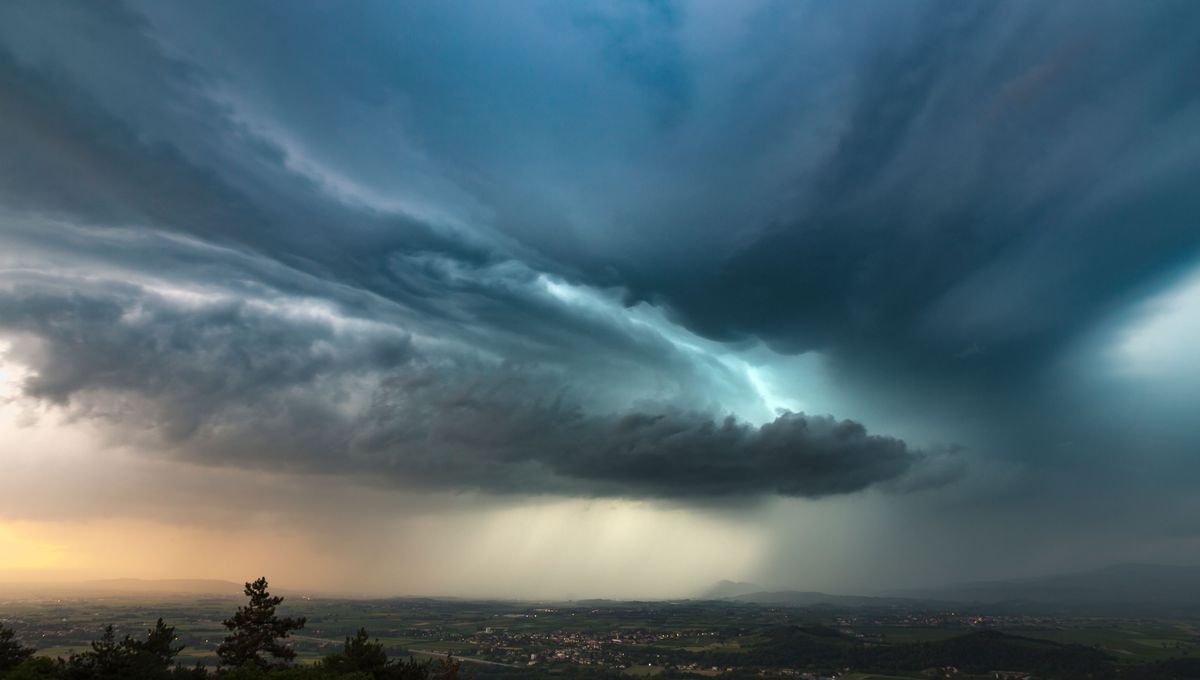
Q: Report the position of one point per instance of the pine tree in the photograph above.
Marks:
(360, 654)
(12, 652)
(156, 653)
(447, 668)
(407, 670)
(113, 659)
(257, 632)
(106, 660)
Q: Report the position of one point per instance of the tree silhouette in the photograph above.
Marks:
(114, 659)
(407, 670)
(155, 654)
(360, 654)
(447, 668)
(103, 661)
(12, 652)
(38, 668)
(363, 657)
(256, 631)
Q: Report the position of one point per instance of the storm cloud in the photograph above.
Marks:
(631, 250)
(235, 382)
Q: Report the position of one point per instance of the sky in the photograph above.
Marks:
(563, 300)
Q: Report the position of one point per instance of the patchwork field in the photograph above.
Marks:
(632, 639)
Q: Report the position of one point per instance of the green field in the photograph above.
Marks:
(640, 638)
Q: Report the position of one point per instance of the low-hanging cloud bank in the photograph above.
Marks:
(239, 383)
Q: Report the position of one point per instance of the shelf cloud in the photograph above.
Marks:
(885, 259)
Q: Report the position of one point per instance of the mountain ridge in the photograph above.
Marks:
(1125, 584)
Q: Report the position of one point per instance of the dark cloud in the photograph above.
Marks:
(615, 250)
(690, 455)
(1001, 179)
(72, 157)
(967, 176)
(399, 226)
(229, 382)
(641, 40)
(129, 358)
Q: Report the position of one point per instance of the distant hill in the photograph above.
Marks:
(800, 598)
(752, 593)
(180, 586)
(123, 587)
(1130, 588)
(1124, 585)
(724, 590)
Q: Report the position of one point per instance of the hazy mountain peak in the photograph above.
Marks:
(726, 589)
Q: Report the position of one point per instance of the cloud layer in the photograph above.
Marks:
(237, 382)
(626, 250)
